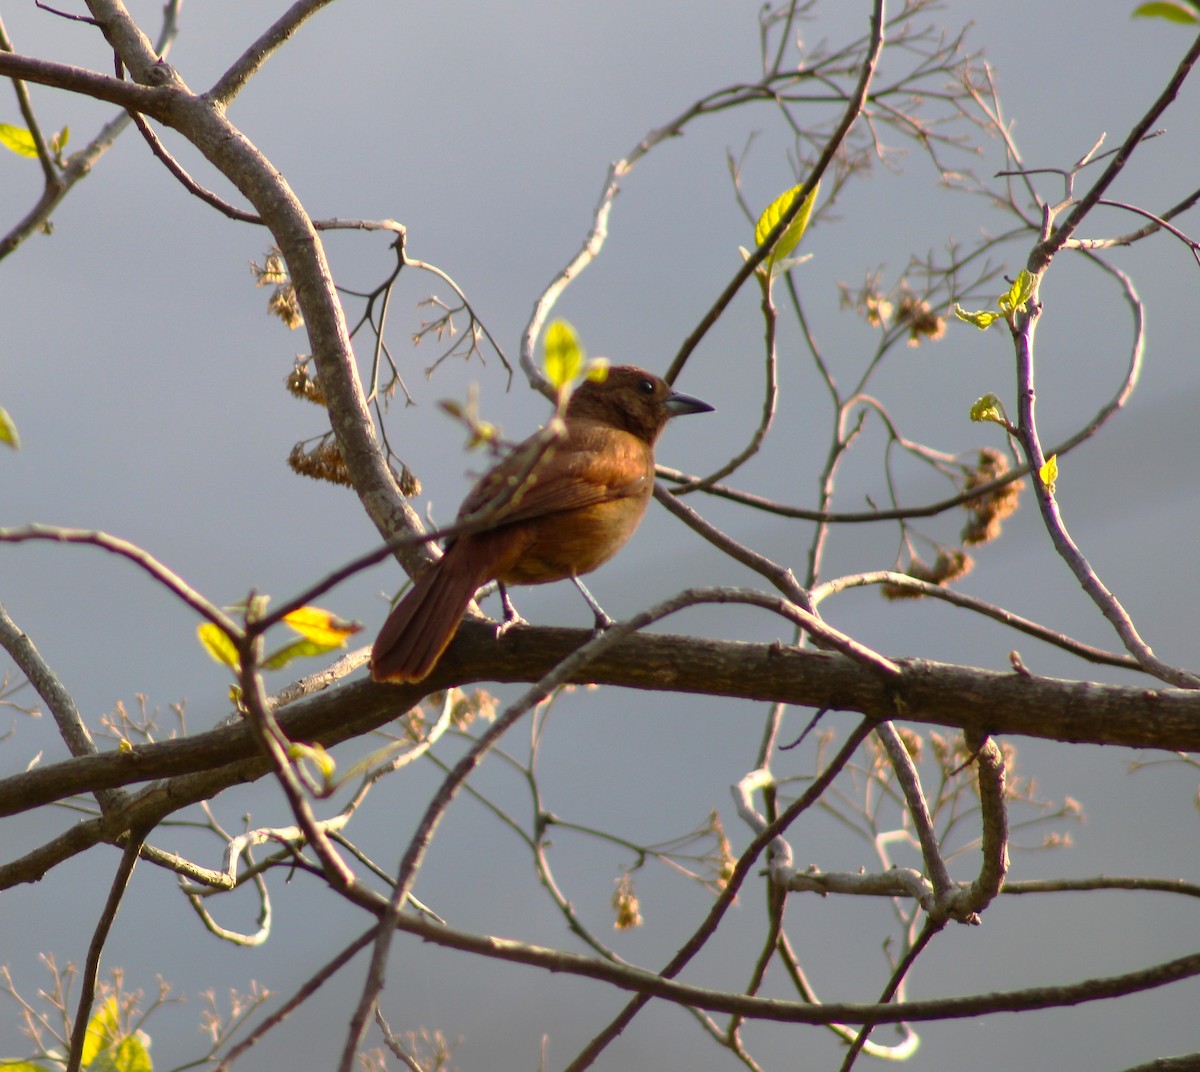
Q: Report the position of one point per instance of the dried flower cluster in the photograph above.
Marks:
(324, 462)
(987, 512)
(321, 462)
(901, 307)
(282, 302)
(923, 323)
(302, 385)
(951, 564)
(625, 903)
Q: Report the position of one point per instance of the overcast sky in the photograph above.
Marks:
(146, 381)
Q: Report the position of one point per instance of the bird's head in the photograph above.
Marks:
(632, 399)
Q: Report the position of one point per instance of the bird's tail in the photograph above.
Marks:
(424, 622)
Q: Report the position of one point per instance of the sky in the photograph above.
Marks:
(146, 380)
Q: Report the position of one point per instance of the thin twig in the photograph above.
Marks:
(314, 983)
(91, 968)
(1046, 249)
(235, 79)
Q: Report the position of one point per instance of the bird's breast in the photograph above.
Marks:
(574, 542)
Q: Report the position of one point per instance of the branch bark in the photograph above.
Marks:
(960, 697)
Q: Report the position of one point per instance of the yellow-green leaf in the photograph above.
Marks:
(131, 1054)
(8, 430)
(1165, 9)
(1018, 294)
(322, 626)
(988, 408)
(218, 645)
(18, 139)
(982, 319)
(1049, 472)
(301, 648)
(597, 370)
(316, 754)
(775, 212)
(12, 1065)
(102, 1031)
(564, 354)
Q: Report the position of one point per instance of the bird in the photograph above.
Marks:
(554, 508)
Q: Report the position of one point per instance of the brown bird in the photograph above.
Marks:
(560, 511)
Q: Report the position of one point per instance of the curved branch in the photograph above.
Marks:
(979, 606)
(656, 985)
(128, 95)
(140, 558)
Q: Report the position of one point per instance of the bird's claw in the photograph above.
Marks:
(508, 623)
(603, 624)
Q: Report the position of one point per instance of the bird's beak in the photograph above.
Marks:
(678, 404)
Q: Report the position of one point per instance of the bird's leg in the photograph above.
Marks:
(603, 621)
(511, 617)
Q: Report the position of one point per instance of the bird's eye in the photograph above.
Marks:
(646, 387)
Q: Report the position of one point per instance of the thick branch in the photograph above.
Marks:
(962, 697)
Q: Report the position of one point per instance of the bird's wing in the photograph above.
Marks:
(594, 464)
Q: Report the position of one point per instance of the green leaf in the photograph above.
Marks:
(1018, 294)
(18, 139)
(790, 238)
(982, 319)
(59, 142)
(988, 408)
(218, 645)
(13, 1065)
(1167, 9)
(564, 354)
(8, 430)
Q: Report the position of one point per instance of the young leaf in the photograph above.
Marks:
(102, 1031)
(1018, 294)
(316, 754)
(982, 319)
(8, 430)
(988, 408)
(1171, 10)
(1049, 472)
(131, 1054)
(564, 354)
(218, 645)
(321, 626)
(18, 139)
(790, 238)
(301, 648)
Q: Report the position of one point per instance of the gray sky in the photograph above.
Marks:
(147, 385)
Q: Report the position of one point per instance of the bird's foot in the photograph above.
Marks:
(508, 623)
(603, 623)
(511, 617)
